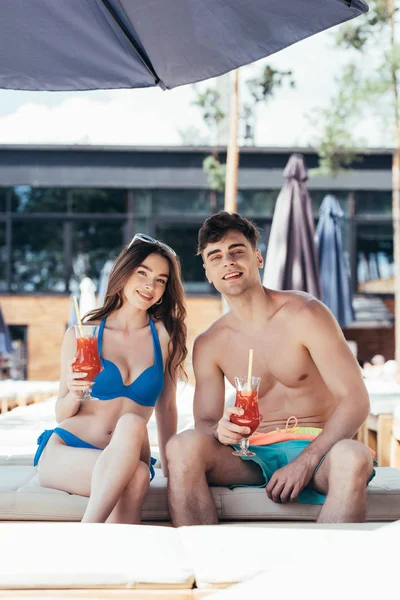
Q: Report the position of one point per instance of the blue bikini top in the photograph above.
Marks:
(144, 390)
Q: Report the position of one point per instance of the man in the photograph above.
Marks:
(307, 371)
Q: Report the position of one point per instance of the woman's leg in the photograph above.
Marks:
(128, 507)
(71, 469)
(65, 468)
(116, 468)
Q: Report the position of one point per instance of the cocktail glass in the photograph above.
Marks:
(247, 398)
(87, 358)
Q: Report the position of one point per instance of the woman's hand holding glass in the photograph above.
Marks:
(77, 383)
(229, 433)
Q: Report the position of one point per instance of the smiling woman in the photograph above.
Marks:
(103, 447)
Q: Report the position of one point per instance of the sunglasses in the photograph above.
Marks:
(143, 237)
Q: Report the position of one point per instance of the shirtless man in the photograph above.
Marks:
(307, 370)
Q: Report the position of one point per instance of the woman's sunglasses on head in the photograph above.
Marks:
(143, 237)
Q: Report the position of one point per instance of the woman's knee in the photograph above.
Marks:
(128, 426)
(349, 458)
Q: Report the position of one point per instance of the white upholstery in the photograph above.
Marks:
(22, 498)
(83, 555)
(274, 585)
(74, 555)
(228, 555)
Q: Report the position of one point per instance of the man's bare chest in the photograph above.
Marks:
(275, 360)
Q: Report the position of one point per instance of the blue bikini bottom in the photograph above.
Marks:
(72, 440)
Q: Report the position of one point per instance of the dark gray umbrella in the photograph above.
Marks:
(335, 282)
(92, 44)
(5, 337)
(292, 260)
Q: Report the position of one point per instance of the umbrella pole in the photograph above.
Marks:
(232, 158)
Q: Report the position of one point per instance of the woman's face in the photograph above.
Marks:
(147, 283)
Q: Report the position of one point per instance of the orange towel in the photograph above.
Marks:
(289, 433)
(283, 435)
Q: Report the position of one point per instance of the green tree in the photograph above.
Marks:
(335, 142)
(260, 89)
(209, 103)
(373, 88)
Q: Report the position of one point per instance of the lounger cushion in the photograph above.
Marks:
(234, 554)
(60, 555)
(65, 555)
(22, 498)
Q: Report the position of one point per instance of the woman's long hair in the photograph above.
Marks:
(171, 311)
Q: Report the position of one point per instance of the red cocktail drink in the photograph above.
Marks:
(87, 359)
(251, 416)
(247, 399)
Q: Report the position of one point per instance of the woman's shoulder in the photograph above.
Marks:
(95, 323)
(161, 331)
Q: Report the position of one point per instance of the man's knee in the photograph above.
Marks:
(350, 459)
(186, 448)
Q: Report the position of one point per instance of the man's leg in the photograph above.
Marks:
(195, 461)
(343, 476)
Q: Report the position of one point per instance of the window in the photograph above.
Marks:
(373, 202)
(142, 203)
(37, 258)
(262, 202)
(27, 199)
(183, 239)
(375, 266)
(93, 243)
(17, 362)
(178, 202)
(3, 259)
(50, 238)
(98, 201)
(3, 199)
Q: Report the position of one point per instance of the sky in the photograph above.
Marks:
(154, 117)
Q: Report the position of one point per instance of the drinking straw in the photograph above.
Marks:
(250, 370)
(78, 317)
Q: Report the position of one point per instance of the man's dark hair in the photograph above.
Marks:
(217, 226)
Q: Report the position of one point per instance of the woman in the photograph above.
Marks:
(101, 449)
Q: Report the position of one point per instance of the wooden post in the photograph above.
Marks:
(395, 185)
(396, 249)
(232, 158)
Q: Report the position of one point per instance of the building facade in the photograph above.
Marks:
(65, 211)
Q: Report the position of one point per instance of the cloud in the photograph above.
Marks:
(153, 117)
(132, 117)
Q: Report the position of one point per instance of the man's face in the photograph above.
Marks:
(232, 264)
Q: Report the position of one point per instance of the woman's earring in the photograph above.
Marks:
(160, 300)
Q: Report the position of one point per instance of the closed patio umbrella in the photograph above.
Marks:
(6, 346)
(292, 261)
(103, 282)
(94, 44)
(335, 282)
(86, 300)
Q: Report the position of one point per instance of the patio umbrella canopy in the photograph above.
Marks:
(335, 282)
(94, 44)
(6, 346)
(292, 262)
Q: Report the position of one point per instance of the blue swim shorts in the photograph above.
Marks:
(272, 457)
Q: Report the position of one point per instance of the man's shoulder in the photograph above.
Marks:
(291, 300)
(306, 311)
(213, 332)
